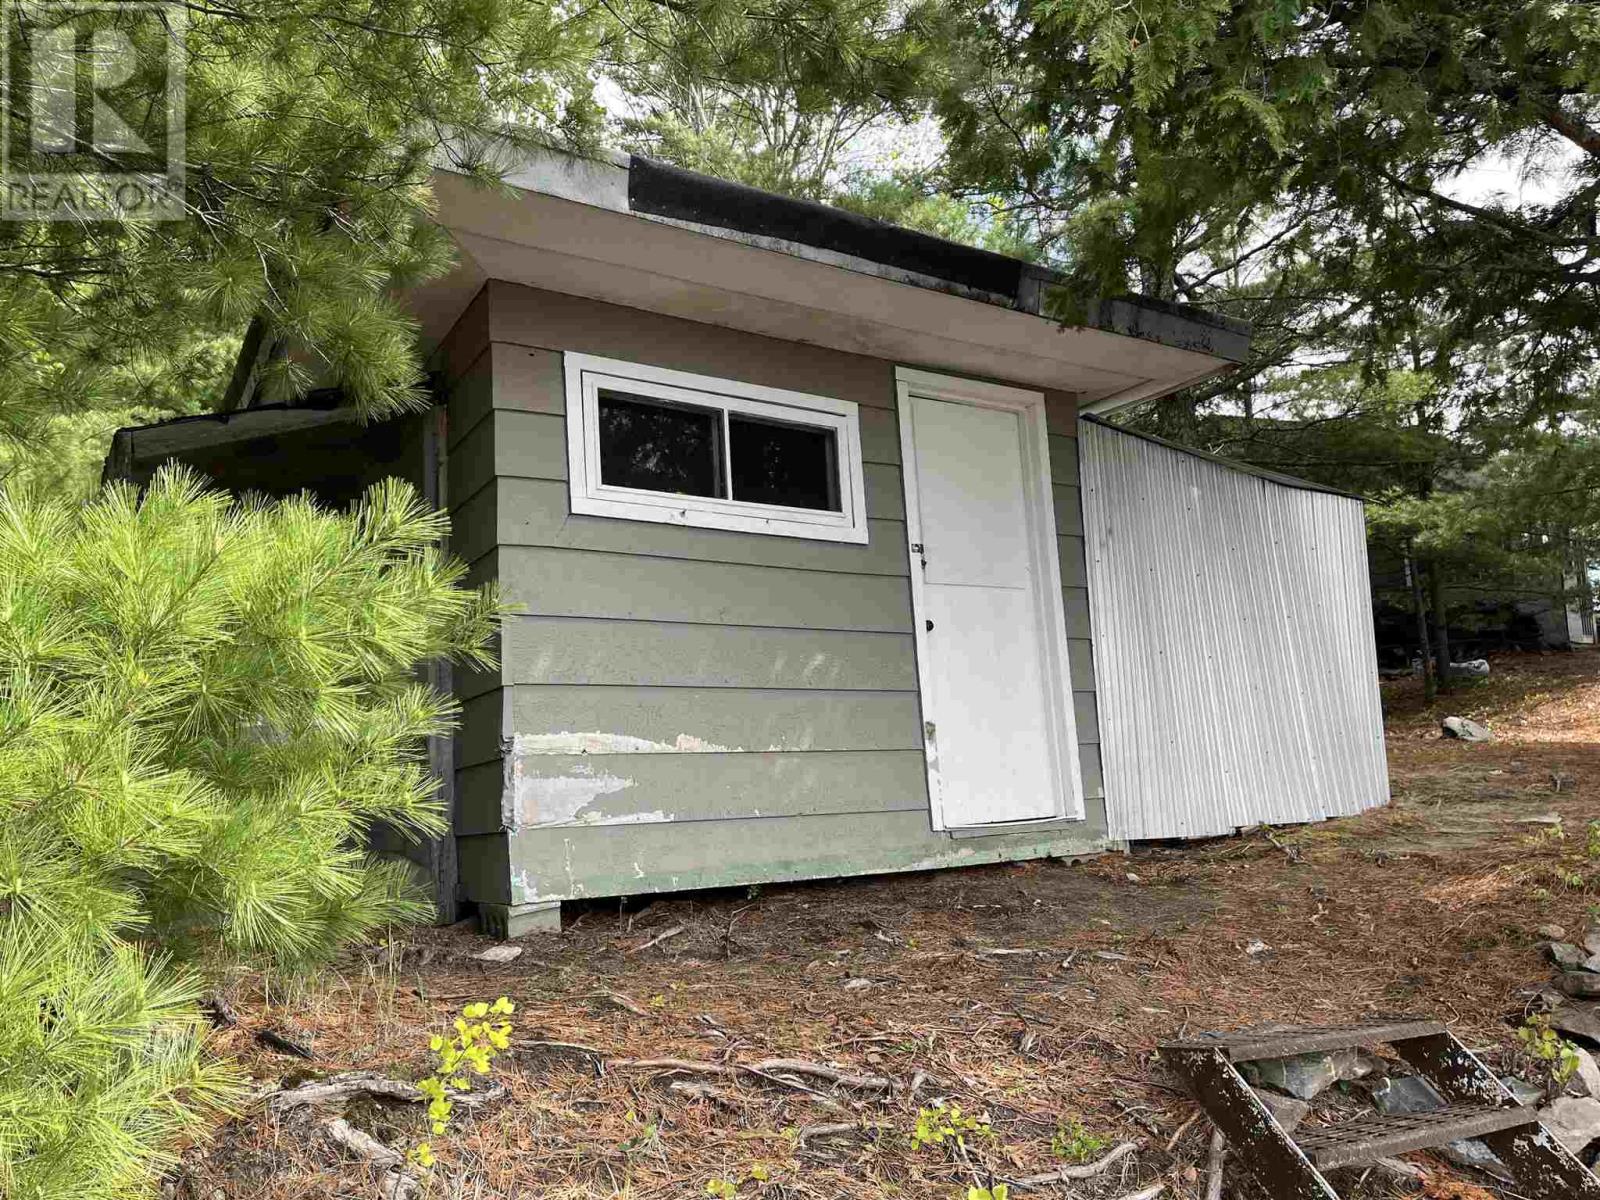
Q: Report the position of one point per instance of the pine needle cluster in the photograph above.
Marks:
(205, 704)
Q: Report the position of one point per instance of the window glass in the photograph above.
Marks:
(776, 463)
(659, 447)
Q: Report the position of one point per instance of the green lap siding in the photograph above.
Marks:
(679, 707)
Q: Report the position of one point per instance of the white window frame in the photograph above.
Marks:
(587, 374)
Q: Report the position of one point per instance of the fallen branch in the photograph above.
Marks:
(797, 1066)
(833, 1130)
(622, 1001)
(670, 1064)
(1219, 1151)
(283, 1043)
(1292, 853)
(1172, 1142)
(698, 1091)
(338, 1088)
(1006, 952)
(1086, 1171)
(711, 1068)
(361, 1143)
(658, 939)
(394, 1183)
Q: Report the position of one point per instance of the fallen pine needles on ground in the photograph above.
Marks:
(655, 1057)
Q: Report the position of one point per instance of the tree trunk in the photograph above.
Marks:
(1430, 683)
(1441, 631)
(1562, 599)
(1585, 589)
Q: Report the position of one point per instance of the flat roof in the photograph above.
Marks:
(660, 190)
(631, 231)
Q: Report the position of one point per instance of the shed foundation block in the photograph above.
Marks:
(502, 921)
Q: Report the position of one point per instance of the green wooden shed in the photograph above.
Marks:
(789, 503)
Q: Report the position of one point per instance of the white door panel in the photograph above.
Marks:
(970, 461)
(990, 734)
(986, 593)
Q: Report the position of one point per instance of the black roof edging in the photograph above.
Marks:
(660, 189)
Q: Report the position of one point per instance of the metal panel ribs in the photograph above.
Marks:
(1290, 1165)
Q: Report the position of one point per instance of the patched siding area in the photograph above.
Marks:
(683, 707)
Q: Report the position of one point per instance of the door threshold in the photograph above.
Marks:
(1037, 825)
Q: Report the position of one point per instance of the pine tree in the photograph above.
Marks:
(312, 130)
(204, 707)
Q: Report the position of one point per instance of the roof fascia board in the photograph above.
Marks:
(149, 443)
(562, 246)
(618, 183)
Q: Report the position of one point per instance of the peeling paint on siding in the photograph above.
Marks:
(573, 798)
(558, 799)
(613, 743)
(524, 888)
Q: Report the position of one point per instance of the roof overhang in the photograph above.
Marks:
(636, 233)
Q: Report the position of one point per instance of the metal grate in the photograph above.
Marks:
(1290, 1165)
(1371, 1137)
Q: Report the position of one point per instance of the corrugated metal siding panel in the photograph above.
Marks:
(1233, 644)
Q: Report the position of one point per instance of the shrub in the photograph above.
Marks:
(101, 1067)
(204, 706)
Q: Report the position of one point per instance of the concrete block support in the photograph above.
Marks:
(503, 921)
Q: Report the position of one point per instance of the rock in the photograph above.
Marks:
(1592, 963)
(1577, 1020)
(1285, 1110)
(1307, 1076)
(1565, 955)
(1256, 947)
(1474, 1154)
(1402, 1094)
(1465, 730)
(1573, 1120)
(1473, 668)
(855, 985)
(1553, 933)
(1585, 1080)
(1582, 984)
(503, 953)
(1591, 940)
(1523, 1091)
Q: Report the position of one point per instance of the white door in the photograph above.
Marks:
(986, 595)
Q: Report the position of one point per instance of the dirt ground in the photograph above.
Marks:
(1031, 995)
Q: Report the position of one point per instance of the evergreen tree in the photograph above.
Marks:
(778, 98)
(204, 707)
(311, 133)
